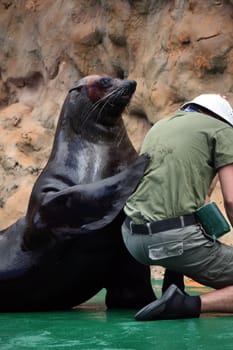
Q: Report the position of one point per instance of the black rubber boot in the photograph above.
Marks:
(173, 304)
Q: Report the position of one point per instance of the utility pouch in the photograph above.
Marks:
(212, 220)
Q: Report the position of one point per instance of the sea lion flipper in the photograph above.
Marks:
(92, 205)
(117, 189)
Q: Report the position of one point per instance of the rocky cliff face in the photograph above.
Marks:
(173, 49)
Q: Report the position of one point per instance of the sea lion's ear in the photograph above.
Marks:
(76, 88)
(88, 207)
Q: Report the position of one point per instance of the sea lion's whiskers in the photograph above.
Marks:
(104, 101)
(88, 112)
(120, 135)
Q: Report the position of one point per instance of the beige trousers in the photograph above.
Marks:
(187, 250)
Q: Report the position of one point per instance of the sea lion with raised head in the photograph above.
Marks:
(68, 246)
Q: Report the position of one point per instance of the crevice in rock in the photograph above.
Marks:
(208, 37)
(32, 80)
(6, 4)
(139, 113)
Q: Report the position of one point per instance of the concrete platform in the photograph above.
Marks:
(91, 327)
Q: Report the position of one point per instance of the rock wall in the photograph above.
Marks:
(173, 49)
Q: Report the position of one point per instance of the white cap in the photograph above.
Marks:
(214, 103)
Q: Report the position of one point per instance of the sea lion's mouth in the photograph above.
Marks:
(122, 100)
(122, 94)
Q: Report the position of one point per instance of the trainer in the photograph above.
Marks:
(161, 228)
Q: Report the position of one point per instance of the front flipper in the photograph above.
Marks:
(88, 207)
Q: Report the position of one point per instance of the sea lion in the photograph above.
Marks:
(68, 246)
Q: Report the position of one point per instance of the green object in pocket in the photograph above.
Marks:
(212, 220)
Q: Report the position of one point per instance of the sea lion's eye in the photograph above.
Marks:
(105, 82)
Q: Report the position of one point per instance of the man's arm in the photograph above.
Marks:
(211, 189)
(226, 181)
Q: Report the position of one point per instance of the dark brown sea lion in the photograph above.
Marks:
(68, 246)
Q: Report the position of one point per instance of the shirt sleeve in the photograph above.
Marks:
(223, 150)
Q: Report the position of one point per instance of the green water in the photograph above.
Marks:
(92, 327)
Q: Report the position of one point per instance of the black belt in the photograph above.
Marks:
(161, 225)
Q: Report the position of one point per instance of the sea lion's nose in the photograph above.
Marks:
(131, 84)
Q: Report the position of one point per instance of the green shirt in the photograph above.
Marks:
(186, 152)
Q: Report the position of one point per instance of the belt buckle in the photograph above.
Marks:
(182, 221)
(149, 228)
